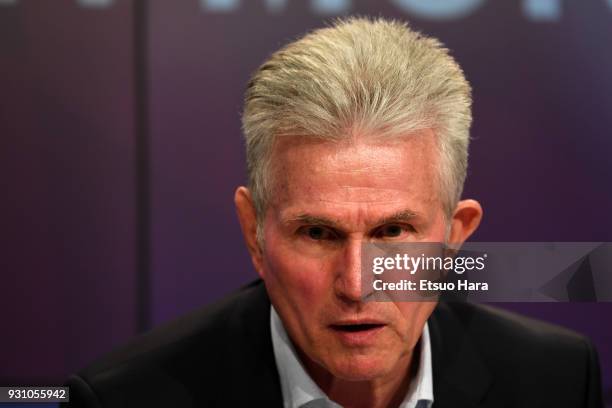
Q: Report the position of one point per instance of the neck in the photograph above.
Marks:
(387, 391)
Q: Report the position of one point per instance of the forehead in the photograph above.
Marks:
(381, 176)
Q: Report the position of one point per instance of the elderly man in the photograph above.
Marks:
(354, 133)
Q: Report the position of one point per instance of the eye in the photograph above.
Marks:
(393, 230)
(318, 233)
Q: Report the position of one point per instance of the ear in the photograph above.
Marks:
(248, 223)
(465, 221)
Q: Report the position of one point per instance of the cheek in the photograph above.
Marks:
(297, 278)
(412, 317)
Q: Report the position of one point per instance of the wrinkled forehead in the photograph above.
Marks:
(360, 170)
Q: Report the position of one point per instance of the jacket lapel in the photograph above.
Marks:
(257, 381)
(461, 379)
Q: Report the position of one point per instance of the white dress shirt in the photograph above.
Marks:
(300, 391)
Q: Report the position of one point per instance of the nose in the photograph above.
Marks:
(348, 279)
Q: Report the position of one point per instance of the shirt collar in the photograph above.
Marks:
(299, 389)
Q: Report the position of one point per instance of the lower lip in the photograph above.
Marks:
(358, 338)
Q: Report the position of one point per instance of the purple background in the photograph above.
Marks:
(71, 289)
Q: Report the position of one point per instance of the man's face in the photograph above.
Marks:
(328, 199)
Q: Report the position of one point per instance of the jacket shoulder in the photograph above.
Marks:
(508, 327)
(526, 358)
(206, 326)
(168, 365)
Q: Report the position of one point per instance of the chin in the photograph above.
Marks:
(360, 367)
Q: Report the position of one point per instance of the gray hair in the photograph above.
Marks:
(372, 76)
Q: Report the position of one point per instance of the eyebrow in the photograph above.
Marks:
(400, 216)
(314, 220)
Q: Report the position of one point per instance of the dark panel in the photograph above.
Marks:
(67, 185)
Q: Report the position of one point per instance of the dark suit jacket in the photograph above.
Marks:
(222, 356)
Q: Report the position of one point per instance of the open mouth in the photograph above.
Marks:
(352, 328)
